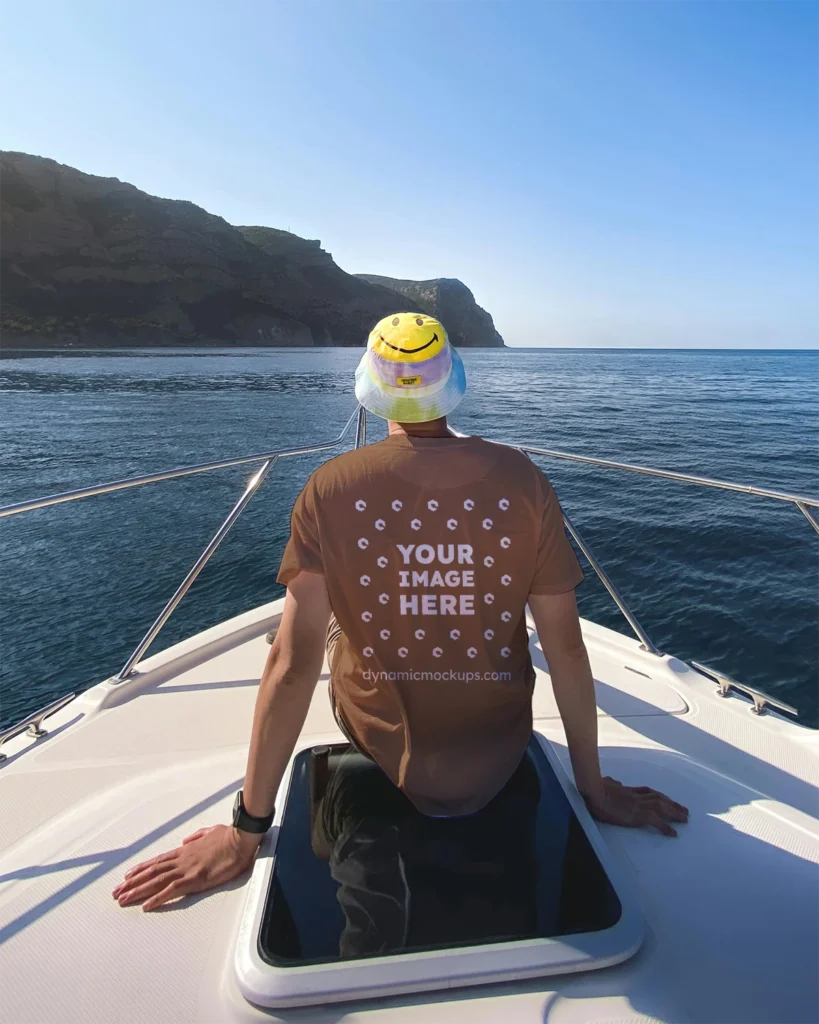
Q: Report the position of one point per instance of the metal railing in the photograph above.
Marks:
(616, 596)
(803, 504)
(33, 724)
(172, 474)
(726, 685)
(269, 460)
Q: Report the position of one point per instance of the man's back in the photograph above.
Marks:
(425, 547)
(430, 547)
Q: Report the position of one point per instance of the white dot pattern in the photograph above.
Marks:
(433, 505)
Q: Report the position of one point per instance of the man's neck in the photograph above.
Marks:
(435, 428)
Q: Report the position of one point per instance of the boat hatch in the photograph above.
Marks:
(359, 895)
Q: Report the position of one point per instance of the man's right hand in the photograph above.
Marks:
(205, 860)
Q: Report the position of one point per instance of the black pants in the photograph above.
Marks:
(407, 881)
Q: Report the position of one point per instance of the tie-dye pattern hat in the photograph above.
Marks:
(410, 373)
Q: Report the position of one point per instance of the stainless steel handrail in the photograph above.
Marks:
(253, 485)
(800, 502)
(806, 512)
(644, 638)
(760, 699)
(33, 724)
(666, 474)
(269, 460)
(171, 474)
(361, 427)
(804, 504)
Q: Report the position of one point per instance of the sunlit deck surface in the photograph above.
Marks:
(128, 770)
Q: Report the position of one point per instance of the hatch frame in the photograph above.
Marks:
(272, 987)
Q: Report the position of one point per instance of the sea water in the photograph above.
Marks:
(728, 579)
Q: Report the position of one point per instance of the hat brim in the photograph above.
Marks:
(408, 408)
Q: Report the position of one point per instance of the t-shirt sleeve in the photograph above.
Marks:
(303, 550)
(556, 569)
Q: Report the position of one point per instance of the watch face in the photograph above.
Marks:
(237, 806)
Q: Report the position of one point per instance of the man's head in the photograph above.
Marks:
(410, 373)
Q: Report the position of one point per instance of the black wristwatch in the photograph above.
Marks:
(246, 822)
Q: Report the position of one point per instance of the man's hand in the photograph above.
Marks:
(634, 807)
(205, 860)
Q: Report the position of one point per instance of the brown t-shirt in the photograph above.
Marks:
(430, 548)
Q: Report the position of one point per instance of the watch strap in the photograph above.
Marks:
(247, 822)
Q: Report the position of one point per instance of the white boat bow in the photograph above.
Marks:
(128, 768)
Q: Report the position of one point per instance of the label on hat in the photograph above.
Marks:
(409, 381)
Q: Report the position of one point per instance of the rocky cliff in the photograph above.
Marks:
(450, 301)
(90, 261)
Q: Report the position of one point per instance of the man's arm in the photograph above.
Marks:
(558, 627)
(213, 856)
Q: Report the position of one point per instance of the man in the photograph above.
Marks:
(426, 548)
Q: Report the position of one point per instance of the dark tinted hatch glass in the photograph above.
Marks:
(359, 872)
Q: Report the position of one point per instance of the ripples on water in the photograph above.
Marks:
(728, 579)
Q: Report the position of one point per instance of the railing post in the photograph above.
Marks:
(607, 583)
(361, 427)
(806, 512)
(252, 486)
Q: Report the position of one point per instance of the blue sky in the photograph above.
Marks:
(615, 173)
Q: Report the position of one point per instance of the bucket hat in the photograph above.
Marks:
(410, 372)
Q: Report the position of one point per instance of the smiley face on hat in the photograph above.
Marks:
(409, 373)
(407, 338)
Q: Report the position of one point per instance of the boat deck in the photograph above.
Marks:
(128, 770)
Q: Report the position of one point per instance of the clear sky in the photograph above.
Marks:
(599, 173)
